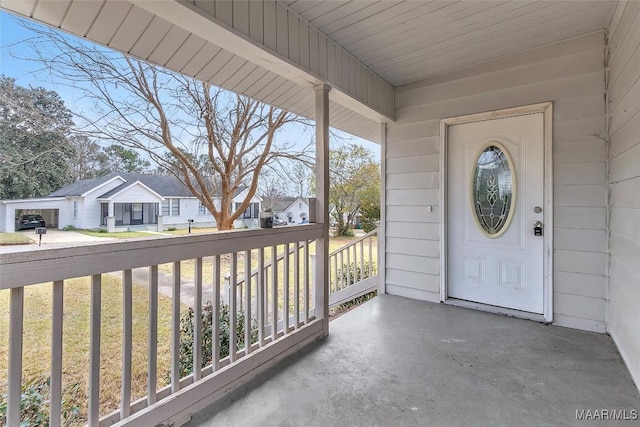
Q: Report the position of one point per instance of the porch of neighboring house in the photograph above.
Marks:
(398, 361)
(128, 214)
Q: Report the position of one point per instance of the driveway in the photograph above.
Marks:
(55, 239)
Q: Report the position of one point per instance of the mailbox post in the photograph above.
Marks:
(190, 221)
(40, 231)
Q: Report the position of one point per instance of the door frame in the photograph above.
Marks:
(546, 108)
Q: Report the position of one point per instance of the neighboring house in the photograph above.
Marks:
(123, 201)
(292, 209)
(250, 218)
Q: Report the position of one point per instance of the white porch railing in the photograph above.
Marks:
(265, 300)
(353, 270)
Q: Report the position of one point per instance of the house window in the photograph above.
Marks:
(165, 208)
(202, 210)
(175, 207)
(75, 209)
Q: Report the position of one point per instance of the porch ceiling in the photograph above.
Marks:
(363, 48)
(408, 41)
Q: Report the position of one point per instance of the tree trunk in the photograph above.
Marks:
(225, 224)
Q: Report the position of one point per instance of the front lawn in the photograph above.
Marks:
(117, 234)
(14, 239)
(194, 230)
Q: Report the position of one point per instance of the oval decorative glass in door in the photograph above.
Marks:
(493, 190)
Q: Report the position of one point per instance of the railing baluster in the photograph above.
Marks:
(152, 365)
(247, 302)
(305, 264)
(233, 307)
(285, 288)
(362, 260)
(175, 329)
(342, 272)
(14, 374)
(216, 314)
(274, 293)
(335, 273)
(260, 294)
(296, 285)
(197, 321)
(55, 387)
(94, 350)
(370, 255)
(348, 266)
(127, 340)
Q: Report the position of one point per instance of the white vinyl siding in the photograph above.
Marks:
(571, 74)
(624, 184)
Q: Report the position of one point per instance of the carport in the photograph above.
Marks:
(51, 208)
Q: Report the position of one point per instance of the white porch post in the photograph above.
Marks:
(322, 206)
(382, 234)
(111, 220)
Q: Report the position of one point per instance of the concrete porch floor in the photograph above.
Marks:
(401, 362)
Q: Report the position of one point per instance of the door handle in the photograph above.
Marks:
(537, 228)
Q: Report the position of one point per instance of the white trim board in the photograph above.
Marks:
(547, 109)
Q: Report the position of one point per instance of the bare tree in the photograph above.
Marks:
(217, 141)
(272, 189)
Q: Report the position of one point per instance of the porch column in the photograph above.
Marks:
(382, 234)
(111, 220)
(322, 206)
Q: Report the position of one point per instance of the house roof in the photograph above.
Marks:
(282, 204)
(164, 185)
(124, 187)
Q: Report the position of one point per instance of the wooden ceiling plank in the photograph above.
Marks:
(81, 15)
(51, 11)
(132, 28)
(108, 21)
(151, 38)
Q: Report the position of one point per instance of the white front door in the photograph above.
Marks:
(495, 194)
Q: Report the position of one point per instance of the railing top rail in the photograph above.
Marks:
(354, 242)
(47, 265)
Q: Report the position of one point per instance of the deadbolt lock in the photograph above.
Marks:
(537, 228)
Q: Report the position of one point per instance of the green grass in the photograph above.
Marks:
(14, 239)
(194, 230)
(77, 293)
(117, 234)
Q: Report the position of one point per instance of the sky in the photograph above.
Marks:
(28, 73)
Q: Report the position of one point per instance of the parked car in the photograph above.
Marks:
(30, 221)
(279, 222)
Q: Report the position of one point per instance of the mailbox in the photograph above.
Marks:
(41, 230)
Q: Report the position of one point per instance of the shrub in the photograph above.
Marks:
(345, 306)
(34, 403)
(186, 335)
(348, 274)
(69, 228)
(171, 229)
